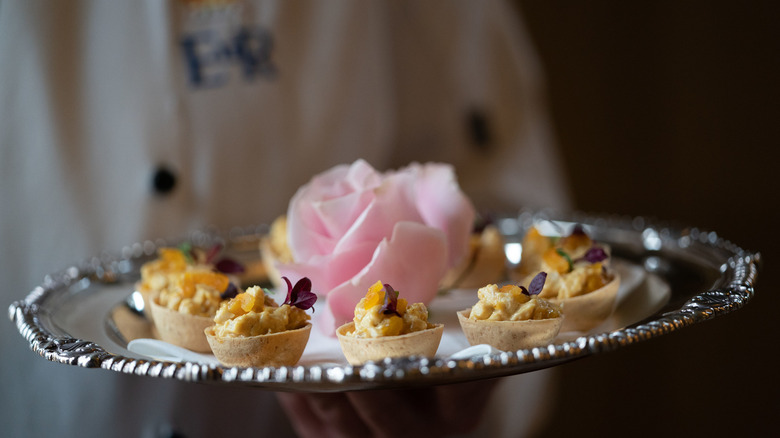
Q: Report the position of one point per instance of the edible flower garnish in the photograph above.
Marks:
(594, 255)
(536, 285)
(225, 265)
(300, 295)
(230, 292)
(390, 307)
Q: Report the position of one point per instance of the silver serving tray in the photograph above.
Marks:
(86, 314)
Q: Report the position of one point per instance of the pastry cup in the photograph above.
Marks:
(359, 350)
(510, 335)
(275, 349)
(587, 311)
(148, 296)
(181, 329)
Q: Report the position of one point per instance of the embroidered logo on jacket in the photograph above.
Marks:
(213, 58)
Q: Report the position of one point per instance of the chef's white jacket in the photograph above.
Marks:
(125, 121)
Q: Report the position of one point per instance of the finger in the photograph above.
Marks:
(430, 411)
(323, 415)
(461, 406)
(300, 414)
(404, 412)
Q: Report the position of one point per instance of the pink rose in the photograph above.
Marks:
(352, 226)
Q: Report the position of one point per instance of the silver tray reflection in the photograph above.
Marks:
(87, 314)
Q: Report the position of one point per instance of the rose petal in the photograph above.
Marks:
(393, 203)
(338, 215)
(311, 230)
(443, 205)
(306, 234)
(344, 231)
(329, 271)
(413, 260)
(305, 231)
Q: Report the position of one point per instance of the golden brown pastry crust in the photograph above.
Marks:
(510, 335)
(359, 350)
(275, 349)
(182, 329)
(585, 312)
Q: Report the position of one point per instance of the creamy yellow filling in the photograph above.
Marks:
(371, 322)
(509, 303)
(195, 291)
(159, 273)
(568, 275)
(251, 313)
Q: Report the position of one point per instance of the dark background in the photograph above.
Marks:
(669, 109)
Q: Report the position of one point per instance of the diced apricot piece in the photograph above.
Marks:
(514, 291)
(400, 306)
(556, 261)
(171, 254)
(247, 303)
(575, 241)
(394, 326)
(190, 279)
(172, 259)
(535, 243)
(235, 305)
(375, 296)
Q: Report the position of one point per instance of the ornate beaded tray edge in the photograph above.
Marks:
(739, 270)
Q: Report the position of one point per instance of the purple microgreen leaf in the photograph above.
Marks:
(390, 307)
(304, 284)
(536, 285)
(563, 254)
(578, 230)
(229, 266)
(300, 295)
(594, 255)
(289, 290)
(213, 252)
(230, 292)
(306, 302)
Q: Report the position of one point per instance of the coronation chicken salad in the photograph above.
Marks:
(252, 313)
(575, 264)
(509, 303)
(382, 313)
(195, 292)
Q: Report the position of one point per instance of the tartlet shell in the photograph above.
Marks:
(587, 311)
(275, 349)
(148, 295)
(181, 329)
(510, 335)
(360, 350)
